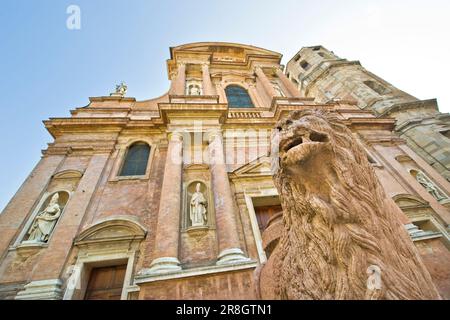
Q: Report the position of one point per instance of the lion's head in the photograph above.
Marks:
(317, 144)
(303, 137)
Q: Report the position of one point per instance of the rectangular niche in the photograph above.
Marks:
(198, 234)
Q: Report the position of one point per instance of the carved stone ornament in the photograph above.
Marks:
(45, 222)
(429, 186)
(121, 90)
(198, 208)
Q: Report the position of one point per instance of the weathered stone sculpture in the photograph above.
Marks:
(342, 237)
(44, 223)
(194, 90)
(198, 208)
(121, 90)
(429, 186)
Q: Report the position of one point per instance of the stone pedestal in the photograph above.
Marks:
(42, 290)
(229, 246)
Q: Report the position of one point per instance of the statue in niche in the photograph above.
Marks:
(429, 186)
(198, 208)
(45, 222)
(194, 90)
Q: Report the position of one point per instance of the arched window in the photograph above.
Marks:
(238, 97)
(136, 160)
(305, 65)
(378, 88)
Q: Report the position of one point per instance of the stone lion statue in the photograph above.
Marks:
(342, 236)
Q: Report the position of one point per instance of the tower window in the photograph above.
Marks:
(238, 97)
(297, 57)
(445, 133)
(305, 65)
(136, 160)
(316, 48)
(378, 88)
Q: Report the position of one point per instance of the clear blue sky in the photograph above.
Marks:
(46, 69)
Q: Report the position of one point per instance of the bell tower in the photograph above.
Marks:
(321, 74)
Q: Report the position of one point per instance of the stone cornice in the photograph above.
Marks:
(184, 114)
(290, 101)
(195, 111)
(430, 104)
(321, 69)
(203, 271)
(193, 99)
(56, 126)
(101, 110)
(81, 150)
(112, 98)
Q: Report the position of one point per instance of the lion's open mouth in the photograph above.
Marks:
(310, 137)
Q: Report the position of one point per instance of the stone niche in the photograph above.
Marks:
(198, 240)
(43, 220)
(53, 207)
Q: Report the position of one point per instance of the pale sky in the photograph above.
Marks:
(47, 69)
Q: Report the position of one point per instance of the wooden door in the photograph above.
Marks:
(263, 215)
(106, 283)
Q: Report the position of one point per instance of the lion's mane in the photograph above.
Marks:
(330, 242)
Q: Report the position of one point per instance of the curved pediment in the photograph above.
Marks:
(68, 174)
(114, 229)
(408, 201)
(258, 167)
(214, 47)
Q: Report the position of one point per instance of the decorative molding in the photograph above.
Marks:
(113, 229)
(42, 290)
(403, 158)
(68, 174)
(417, 234)
(202, 271)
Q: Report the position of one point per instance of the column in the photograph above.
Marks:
(266, 83)
(254, 95)
(293, 91)
(208, 89)
(168, 225)
(229, 246)
(221, 93)
(179, 81)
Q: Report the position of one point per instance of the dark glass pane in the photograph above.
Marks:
(136, 160)
(238, 97)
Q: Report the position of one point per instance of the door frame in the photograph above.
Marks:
(250, 198)
(109, 242)
(82, 273)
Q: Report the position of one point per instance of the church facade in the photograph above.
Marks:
(173, 197)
